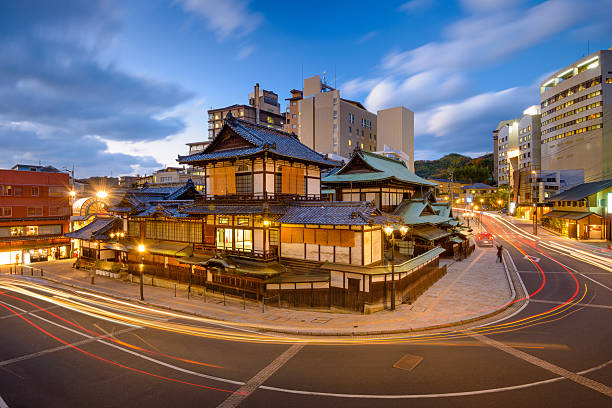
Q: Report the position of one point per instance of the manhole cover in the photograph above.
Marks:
(417, 308)
(408, 362)
(320, 320)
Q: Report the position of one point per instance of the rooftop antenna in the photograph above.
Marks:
(335, 76)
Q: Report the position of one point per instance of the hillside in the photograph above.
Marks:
(478, 170)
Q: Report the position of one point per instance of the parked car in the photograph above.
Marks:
(484, 239)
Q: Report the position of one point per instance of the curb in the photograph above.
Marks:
(302, 332)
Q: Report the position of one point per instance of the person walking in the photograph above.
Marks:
(499, 253)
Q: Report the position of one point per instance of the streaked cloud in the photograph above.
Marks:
(227, 18)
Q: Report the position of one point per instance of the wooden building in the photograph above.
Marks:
(260, 221)
(372, 177)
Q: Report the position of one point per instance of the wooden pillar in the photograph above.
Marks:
(265, 188)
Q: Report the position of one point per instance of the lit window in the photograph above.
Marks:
(350, 142)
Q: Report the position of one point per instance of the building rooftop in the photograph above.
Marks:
(368, 166)
(478, 186)
(258, 138)
(32, 167)
(582, 191)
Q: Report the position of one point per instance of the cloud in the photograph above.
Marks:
(245, 52)
(367, 37)
(228, 18)
(479, 6)
(57, 96)
(417, 91)
(415, 5)
(466, 126)
(481, 40)
(165, 151)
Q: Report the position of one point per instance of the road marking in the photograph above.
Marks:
(250, 386)
(25, 313)
(532, 258)
(575, 304)
(3, 404)
(408, 362)
(587, 382)
(54, 349)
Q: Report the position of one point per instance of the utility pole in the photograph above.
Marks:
(452, 192)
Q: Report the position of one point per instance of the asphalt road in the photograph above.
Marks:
(61, 349)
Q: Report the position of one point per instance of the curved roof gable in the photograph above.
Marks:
(367, 166)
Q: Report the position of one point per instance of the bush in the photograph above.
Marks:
(115, 267)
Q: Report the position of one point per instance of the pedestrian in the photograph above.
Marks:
(499, 253)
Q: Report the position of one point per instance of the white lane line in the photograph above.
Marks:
(247, 389)
(315, 393)
(574, 304)
(58, 348)
(439, 395)
(210, 377)
(24, 313)
(3, 404)
(587, 382)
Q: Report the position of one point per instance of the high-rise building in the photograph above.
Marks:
(576, 117)
(264, 110)
(328, 123)
(396, 131)
(507, 150)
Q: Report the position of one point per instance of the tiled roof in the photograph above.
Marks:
(384, 168)
(581, 191)
(477, 186)
(334, 213)
(97, 229)
(211, 208)
(262, 138)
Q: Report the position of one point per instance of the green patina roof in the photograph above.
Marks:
(410, 212)
(383, 168)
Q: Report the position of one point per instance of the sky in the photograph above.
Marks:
(117, 88)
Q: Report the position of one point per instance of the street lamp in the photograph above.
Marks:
(141, 250)
(389, 231)
(102, 194)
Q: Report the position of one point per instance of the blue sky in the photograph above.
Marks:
(120, 87)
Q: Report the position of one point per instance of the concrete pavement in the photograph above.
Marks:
(471, 290)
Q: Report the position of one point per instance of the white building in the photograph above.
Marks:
(576, 131)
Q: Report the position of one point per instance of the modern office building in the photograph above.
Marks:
(396, 131)
(264, 110)
(34, 215)
(576, 117)
(328, 123)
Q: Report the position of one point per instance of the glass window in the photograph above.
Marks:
(6, 211)
(35, 211)
(224, 238)
(223, 220)
(244, 240)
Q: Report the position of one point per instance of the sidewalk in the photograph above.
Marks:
(472, 289)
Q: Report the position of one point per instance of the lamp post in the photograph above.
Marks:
(536, 199)
(389, 231)
(141, 250)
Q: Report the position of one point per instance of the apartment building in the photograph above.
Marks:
(576, 128)
(172, 177)
(328, 123)
(507, 151)
(263, 109)
(34, 215)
